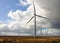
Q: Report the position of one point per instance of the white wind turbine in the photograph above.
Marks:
(35, 20)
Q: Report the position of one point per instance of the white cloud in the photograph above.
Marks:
(2, 25)
(14, 34)
(18, 15)
(9, 33)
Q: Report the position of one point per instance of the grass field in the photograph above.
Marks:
(29, 39)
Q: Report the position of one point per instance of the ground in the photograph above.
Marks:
(29, 39)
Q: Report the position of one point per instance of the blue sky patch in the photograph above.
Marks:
(7, 5)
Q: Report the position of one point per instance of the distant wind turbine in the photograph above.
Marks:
(47, 33)
(35, 20)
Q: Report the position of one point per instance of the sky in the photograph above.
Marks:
(14, 14)
(6, 6)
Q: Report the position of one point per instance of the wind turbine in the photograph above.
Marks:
(47, 33)
(35, 20)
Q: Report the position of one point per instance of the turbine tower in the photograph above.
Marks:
(35, 20)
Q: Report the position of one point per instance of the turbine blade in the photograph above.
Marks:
(29, 20)
(42, 17)
(34, 8)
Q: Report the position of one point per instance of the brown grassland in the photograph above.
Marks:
(29, 39)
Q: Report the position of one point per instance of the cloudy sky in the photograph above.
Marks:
(14, 14)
